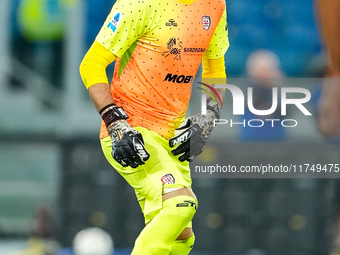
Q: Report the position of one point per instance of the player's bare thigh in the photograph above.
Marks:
(187, 232)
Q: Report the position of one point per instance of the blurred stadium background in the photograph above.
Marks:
(54, 180)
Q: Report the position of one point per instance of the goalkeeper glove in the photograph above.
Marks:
(127, 143)
(193, 133)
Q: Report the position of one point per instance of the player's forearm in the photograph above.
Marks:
(100, 95)
(329, 11)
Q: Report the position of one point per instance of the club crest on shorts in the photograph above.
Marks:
(168, 179)
(206, 21)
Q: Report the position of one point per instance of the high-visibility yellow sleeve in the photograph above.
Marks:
(213, 68)
(219, 43)
(93, 67)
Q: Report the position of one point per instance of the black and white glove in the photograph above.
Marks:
(193, 133)
(127, 143)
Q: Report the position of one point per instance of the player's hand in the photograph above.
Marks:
(192, 134)
(127, 143)
(191, 140)
(329, 114)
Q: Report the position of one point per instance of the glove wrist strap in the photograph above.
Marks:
(112, 113)
(214, 106)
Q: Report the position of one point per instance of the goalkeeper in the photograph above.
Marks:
(158, 47)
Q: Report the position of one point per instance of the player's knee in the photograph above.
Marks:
(183, 247)
(186, 233)
(182, 206)
(190, 241)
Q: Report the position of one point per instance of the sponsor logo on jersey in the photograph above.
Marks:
(174, 46)
(206, 21)
(175, 78)
(194, 50)
(168, 179)
(170, 23)
(114, 22)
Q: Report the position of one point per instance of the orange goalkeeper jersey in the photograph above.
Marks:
(160, 45)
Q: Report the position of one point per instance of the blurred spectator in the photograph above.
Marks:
(263, 65)
(264, 73)
(38, 33)
(42, 20)
(41, 242)
(38, 41)
(42, 225)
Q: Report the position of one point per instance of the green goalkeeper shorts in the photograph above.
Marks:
(161, 172)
